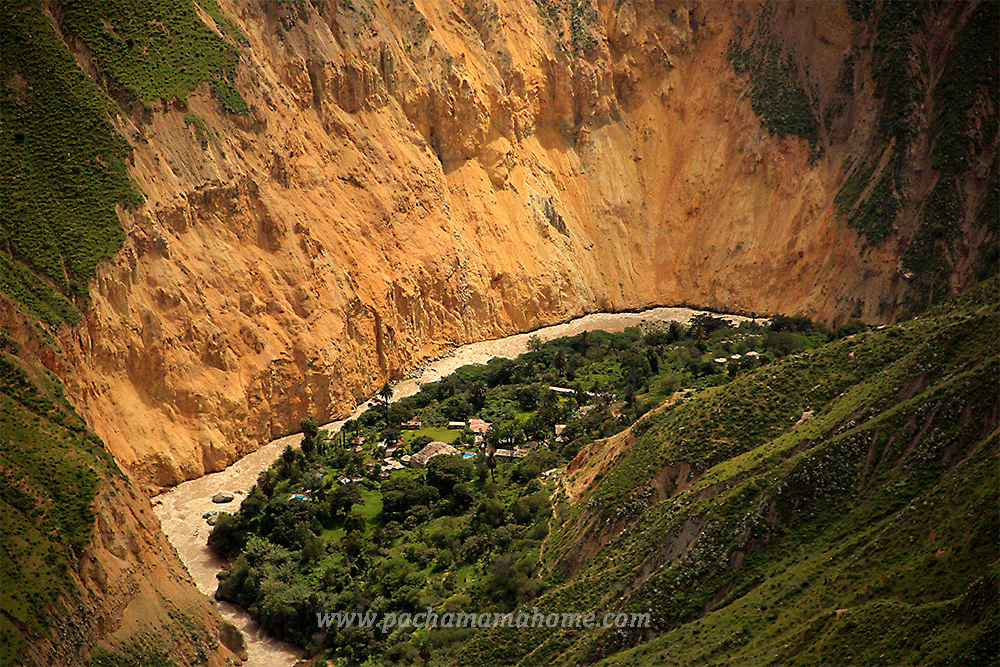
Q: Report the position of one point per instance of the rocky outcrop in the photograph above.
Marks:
(415, 176)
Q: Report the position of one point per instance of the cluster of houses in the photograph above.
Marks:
(419, 459)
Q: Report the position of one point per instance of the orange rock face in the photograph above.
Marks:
(418, 175)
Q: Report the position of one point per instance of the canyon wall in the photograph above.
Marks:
(413, 176)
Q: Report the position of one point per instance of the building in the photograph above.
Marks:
(391, 464)
(478, 426)
(437, 448)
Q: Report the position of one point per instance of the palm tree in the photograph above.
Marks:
(385, 393)
(699, 335)
(492, 465)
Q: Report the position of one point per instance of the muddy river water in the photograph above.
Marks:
(180, 510)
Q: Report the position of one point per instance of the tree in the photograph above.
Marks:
(527, 397)
(288, 456)
(400, 494)
(698, 335)
(385, 393)
(310, 435)
(492, 465)
(444, 472)
(559, 361)
(354, 521)
(477, 392)
(344, 497)
(549, 412)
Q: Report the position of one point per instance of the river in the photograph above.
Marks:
(180, 510)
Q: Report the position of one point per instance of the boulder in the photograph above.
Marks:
(222, 497)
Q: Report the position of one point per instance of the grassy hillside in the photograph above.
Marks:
(63, 161)
(934, 65)
(160, 48)
(866, 535)
(50, 469)
(63, 169)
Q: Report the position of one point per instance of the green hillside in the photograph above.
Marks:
(866, 535)
(51, 466)
(62, 156)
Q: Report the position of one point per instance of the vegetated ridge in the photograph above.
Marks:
(753, 534)
(88, 576)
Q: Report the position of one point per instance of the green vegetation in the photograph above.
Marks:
(50, 467)
(926, 254)
(777, 95)
(899, 78)
(859, 9)
(964, 128)
(875, 215)
(963, 119)
(897, 25)
(852, 189)
(196, 122)
(971, 74)
(133, 657)
(572, 23)
(63, 165)
(746, 496)
(831, 500)
(159, 48)
(304, 541)
(989, 218)
(225, 26)
(34, 295)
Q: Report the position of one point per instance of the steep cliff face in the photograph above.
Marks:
(415, 175)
